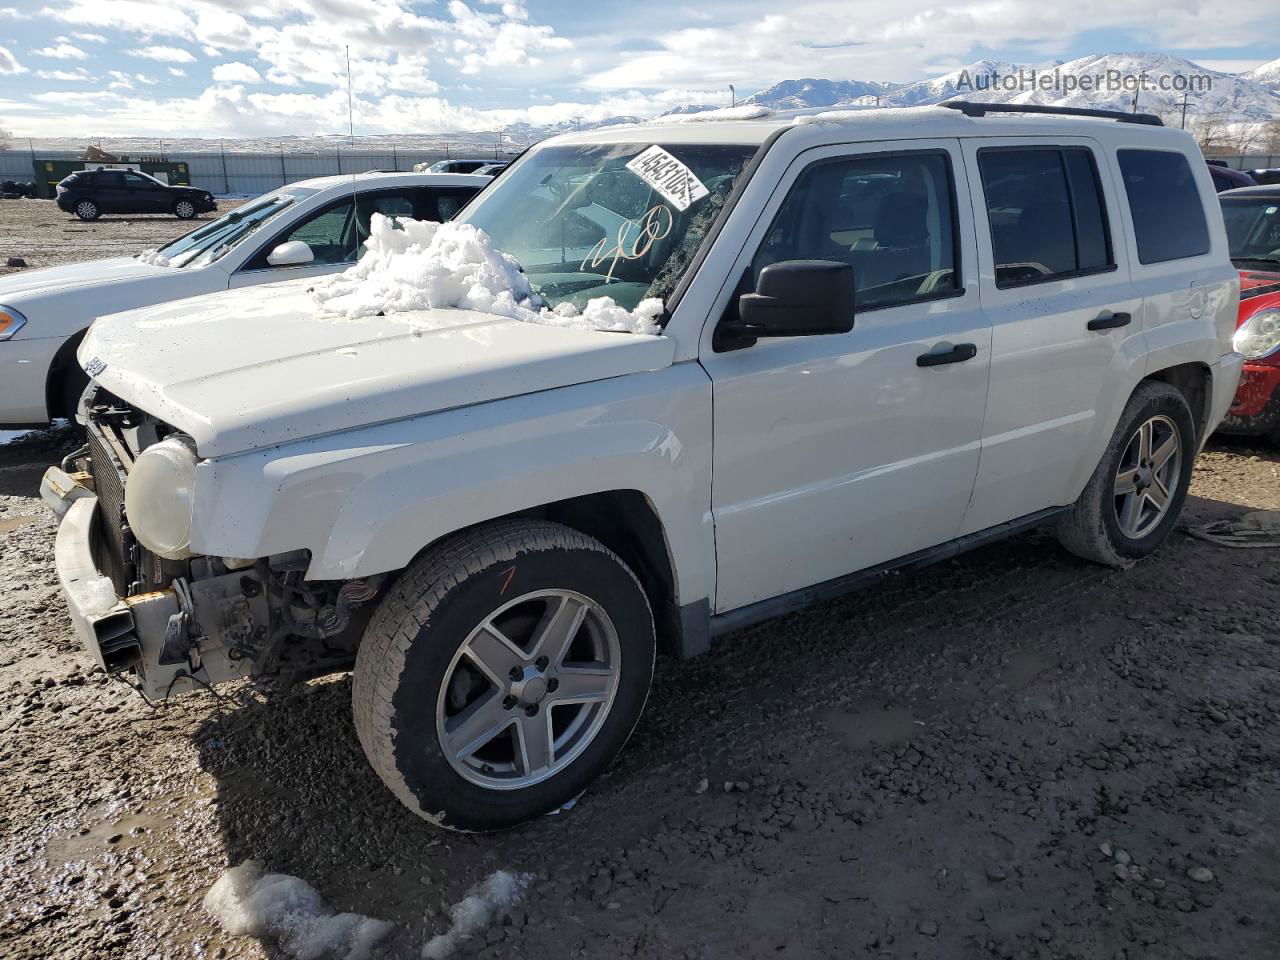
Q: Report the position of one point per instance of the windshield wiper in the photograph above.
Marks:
(1275, 260)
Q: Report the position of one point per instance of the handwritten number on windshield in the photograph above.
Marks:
(633, 241)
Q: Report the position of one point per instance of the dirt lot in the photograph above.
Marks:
(1014, 754)
(44, 236)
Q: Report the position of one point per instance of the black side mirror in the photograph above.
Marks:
(793, 298)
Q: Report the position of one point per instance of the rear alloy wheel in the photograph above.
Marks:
(184, 210)
(1135, 495)
(87, 210)
(503, 673)
(1150, 469)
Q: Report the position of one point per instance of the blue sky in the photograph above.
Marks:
(225, 68)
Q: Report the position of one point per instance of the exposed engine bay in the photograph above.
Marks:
(179, 624)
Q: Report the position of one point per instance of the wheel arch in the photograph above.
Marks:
(1195, 382)
(63, 361)
(627, 522)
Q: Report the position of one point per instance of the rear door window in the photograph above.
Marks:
(1164, 201)
(1045, 212)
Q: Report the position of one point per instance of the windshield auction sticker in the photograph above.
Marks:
(669, 177)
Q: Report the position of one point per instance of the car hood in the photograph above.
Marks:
(254, 368)
(17, 287)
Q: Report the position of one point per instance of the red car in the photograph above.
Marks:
(1252, 216)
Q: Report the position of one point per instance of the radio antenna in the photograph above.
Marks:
(351, 135)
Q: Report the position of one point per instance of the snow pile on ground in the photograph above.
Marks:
(154, 257)
(418, 265)
(748, 111)
(245, 900)
(485, 903)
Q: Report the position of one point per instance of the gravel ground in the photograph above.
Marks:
(1013, 754)
(44, 236)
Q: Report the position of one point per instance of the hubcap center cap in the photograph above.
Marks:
(532, 690)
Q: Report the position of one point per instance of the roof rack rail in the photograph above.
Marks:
(972, 109)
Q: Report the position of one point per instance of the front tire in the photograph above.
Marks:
(87, 209)
(1135, 495)
(503, 673)
(184, 209)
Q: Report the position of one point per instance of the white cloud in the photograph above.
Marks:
(236, 72)
(177, 72)
(9, 65)
(79, 74)
(62, 51)
(90, 37)
(163, 54)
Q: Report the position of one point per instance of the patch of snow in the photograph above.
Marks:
(484, 904)
(419, 265)
(100, 597)
(154, 257)
(829, 116)
(248, 901)
(750, 111)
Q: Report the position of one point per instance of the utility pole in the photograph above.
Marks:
(226, 182)
(733, 96)
(1185, 95)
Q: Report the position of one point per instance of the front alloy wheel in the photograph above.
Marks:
(184, 209)
(529, 689)
(502, 673)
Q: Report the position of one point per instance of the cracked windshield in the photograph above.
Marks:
(617, 220)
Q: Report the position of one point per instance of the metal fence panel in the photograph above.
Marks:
(249, 173)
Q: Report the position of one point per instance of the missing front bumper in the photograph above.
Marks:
(128, 634)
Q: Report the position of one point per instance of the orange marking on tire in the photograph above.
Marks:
(506, 580)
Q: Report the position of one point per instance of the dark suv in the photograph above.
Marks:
(90, 193)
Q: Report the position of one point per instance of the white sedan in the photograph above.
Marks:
(303, 229)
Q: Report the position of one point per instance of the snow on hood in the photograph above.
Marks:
(257, 366)
(419, 265)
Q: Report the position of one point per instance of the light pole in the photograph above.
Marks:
(733, 96)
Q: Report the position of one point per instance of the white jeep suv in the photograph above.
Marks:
(887, 336)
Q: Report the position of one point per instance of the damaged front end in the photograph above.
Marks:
(178, 624)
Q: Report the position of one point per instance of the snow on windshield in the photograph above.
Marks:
(419, 265)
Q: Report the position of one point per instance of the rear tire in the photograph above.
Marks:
(503, 673)
(87, 209)
(1135, 495)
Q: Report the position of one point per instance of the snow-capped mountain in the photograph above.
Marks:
(809, 92)
(958, 84)
(1267, 75)
(1095, 81)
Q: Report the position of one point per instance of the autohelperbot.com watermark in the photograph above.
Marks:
(1026, 79)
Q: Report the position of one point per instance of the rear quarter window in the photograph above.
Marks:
(1164, 201)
